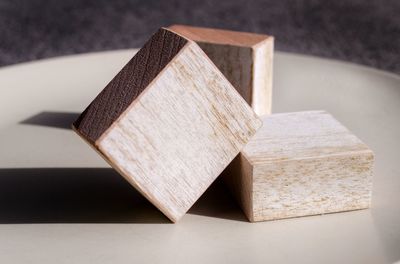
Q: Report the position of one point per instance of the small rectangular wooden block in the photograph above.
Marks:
(300, 164)
(169, 122)
(244, 58)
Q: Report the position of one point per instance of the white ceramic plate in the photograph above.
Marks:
(60, 203)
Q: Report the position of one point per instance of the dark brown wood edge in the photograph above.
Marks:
(128, 84)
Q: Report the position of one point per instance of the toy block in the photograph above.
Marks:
(300, 164)
(169, 122)
(244, 58)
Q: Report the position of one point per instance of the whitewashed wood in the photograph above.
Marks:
(261, 86)
(246, 59)
(299, 164)
(180, 133)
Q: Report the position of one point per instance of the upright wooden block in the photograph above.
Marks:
(244, 58)
(300, 164)
(169, 122)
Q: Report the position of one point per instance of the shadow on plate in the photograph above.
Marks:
(91, 195)
(52, 119)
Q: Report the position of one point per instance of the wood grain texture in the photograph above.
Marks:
(180, 133)
(239, 178)
(219, 36)
(246, 59)
(126, 86)
(300, 164)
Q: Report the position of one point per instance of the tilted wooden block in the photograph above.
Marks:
(300, 164)
(169, 122)
(244, 58)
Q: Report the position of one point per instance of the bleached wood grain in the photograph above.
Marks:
(180, 133)
(300, 164)
(261, 85)
(246, 59)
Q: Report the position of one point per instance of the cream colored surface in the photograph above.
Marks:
(181, 133)
(303, 163)
(215, 231)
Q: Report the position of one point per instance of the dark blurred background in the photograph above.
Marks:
(361, 31)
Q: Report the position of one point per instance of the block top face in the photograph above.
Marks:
(300, 135)
(129, 83)
(219, 36)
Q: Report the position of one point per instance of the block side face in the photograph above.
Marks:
(219, 36)
(312, 186)
(262, 77)
(128, 84)
(239, 179)
(300, 135)
(181, 134)
(236, 63)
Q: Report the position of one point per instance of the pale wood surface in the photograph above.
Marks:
(262, 71)
(180, 133)
(303, 163)
(246, 59)
(238, 176)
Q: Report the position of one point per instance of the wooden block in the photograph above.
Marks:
(169, 122)
(244, 58)
(299, 164)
